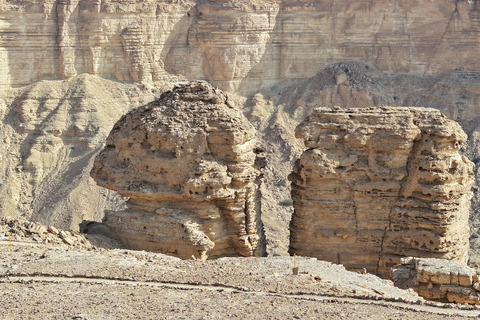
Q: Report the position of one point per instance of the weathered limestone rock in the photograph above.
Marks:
(50, 134)
(379, 184)
(438, 279)
(186, 162)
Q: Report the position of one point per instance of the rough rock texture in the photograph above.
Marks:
(438, 279)
(238, 45)
(186, 162)
(425, 53)
(380, 183)
(277, 112)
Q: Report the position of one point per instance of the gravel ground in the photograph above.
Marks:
(39, 281)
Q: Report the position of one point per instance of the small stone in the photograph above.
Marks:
(53, 230)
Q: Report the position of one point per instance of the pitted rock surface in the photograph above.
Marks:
(438, 279)
(378, 184)
(186, 162)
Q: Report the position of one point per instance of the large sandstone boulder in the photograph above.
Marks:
(379, 184)
(186, 162)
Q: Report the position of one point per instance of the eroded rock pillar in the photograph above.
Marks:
(186, 162)
(379, 184)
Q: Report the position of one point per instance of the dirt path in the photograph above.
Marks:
(29, 280)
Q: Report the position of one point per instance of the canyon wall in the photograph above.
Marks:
(237, 45)
(379, 184)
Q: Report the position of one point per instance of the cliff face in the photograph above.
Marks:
(121, 40)
(379, 184)
(238, 46)
(186, 162)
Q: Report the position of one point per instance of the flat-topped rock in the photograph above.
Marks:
(438, 279)
(378, 184)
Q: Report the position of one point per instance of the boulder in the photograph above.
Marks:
(187, 164)
(438, 279)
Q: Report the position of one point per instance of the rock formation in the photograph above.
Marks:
(69, 69)
(438, 279)
(379, 184)
(186, 161)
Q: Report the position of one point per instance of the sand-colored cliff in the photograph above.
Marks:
(69, 69)
(238, 45)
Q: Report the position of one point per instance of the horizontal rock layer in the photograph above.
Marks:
(438, 279)
(186, 162)
(378, 184)
(237, 46)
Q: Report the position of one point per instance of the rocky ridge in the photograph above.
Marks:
(378, 184)
(187, 164)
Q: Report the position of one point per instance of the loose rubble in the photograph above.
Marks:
(438, 279)
(27, 231)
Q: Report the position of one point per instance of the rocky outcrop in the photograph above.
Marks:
(438, 279)
(52, 129)
(186, 161)
(379, 184)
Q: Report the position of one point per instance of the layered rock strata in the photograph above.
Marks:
(238, 45)
(186, 162)
(379, 184)
(438, 279)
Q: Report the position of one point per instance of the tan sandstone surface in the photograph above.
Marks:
(242, 44)
(378, 184)
(187, 164)
(70, 69)
(438, 279)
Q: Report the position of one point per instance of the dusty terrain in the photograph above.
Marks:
(45, 281)
(70, 69)
(46, 273)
